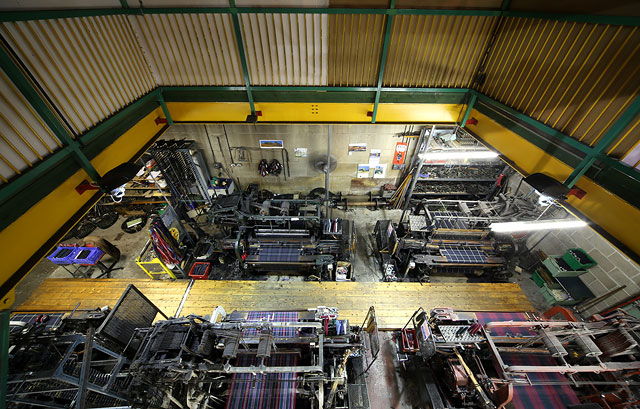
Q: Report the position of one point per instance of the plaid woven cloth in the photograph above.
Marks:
(531, 397)
(485, 317)
(273, 316)
(283, 254)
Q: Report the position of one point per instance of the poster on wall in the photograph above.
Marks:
(301, 152)
(400, 153)
(271, 144)
(357, 147)
(363, 171)
(374, 157)
(379, 171)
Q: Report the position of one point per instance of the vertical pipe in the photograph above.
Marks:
(326, 175)
(417, 174)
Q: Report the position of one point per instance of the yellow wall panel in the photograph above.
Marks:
(616, 216)
(29, 232)
(307, 112)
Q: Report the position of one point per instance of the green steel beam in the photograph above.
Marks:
(165, 109)
(467, 112)
(16, 75)
(243, 57)
(41, 168)
(316, 88)
(56, 14)
(383, 59)
(607, 139)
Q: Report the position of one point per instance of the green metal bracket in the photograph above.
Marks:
(383, 60)
(39, 105)
(467, 112)
(4, 356)
(124, 4)
(164, 108)
(618, 126)
(243, 57)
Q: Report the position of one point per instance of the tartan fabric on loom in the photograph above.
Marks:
(273, 316)
(277, 391)
(538, 396)
(291, 254)
(264, 391)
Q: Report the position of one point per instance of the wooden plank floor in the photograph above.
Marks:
(62, 294)
(394, 302)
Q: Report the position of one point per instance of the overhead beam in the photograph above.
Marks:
(383, 59)
(467, 112)
(243, 57)
(165, 110)
(607, 139)
(7, 16)
(21, 82)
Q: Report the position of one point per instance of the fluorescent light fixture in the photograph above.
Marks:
(536, 225)
(444, 155)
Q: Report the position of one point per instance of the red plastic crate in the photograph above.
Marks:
(200, 270)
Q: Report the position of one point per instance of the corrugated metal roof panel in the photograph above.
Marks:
(89, 67)
(286, 49)
(190, 49)
(24, 137)
(626, 141)
(577, 78)
(436, 51)
(355, 44)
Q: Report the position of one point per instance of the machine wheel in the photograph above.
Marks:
(107, 220)
(82, 230)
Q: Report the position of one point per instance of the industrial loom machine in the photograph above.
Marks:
(120, 357)
(277, 233)
(523, 361)
(448, 236)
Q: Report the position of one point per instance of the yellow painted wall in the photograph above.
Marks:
(307, 112)
(616, 216)
(30, 231)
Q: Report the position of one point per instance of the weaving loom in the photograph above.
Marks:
(520, 361)
(255, 391)
(240, 360)
(280, 233)
(531, 396)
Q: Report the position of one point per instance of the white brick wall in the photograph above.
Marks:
(613, 270)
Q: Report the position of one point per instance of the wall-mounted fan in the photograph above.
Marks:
(320, 164)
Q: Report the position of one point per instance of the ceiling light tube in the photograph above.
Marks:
(445, 155)
(536, 225)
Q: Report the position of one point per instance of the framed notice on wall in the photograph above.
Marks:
(271, 144)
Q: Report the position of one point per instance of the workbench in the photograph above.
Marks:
(394, 302)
